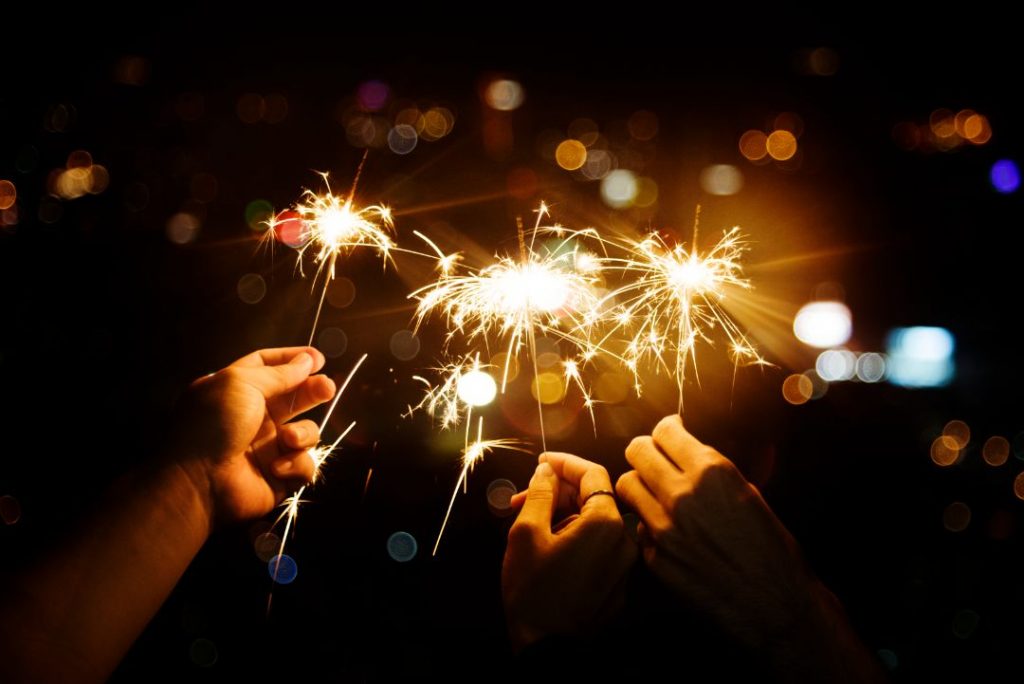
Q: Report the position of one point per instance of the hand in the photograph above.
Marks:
(708, 534)
(566, 580)
(232, 435)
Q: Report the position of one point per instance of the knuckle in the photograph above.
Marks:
(636, 445)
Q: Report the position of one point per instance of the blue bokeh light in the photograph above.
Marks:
(1005, 176)
(282, 569)
(921, 356)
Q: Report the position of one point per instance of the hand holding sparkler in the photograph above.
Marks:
(235, 441)
(233, 455)
(713, 540)
(566, 579)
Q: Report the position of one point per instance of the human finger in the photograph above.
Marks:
(302, 434)
(676, 442)
(273, 381)
(541, 500)
(294, 466)
(314, 390)
(658, 473)
(275, 356)
(588, 477)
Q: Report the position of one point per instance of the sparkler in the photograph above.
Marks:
(472, 454)
(333, 225)
(676, 298)
(546, 291)
(319, 454)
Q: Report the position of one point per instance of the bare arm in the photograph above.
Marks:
(71, 616)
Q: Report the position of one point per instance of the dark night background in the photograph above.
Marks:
(104, 320)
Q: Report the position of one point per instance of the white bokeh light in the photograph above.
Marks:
(823, 324)
(477, 388)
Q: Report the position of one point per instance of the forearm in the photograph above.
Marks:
(72, 616)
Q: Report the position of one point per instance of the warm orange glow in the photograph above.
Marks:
(977, 129)
(8, 194)
(643, 125)
(571, 154)
(781, 145)
(548, 388)
(996, 450)
(797, 389)
(943, 123)
(1018, 486)
(754, 145)
(959, 431)
(945, 451)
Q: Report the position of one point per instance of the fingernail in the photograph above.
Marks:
(545, 470)
(303, 359)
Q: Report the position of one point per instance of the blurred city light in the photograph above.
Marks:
(920, 357)
(823, 324)
(1005, 176)
(477, 388)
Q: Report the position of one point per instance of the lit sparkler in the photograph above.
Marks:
(333, 225)
(675, 299)
(544, 291)
(319, 454)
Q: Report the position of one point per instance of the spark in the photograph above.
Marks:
(319, 454)
(333, 226)
(472, 454)
(675, 298)
(543, 291)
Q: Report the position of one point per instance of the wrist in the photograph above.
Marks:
(188, 489)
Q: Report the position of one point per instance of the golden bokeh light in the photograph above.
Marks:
(8, 194)
(781, 145)
(996, 450)
(1018, 486)
(945, 451)
(548, 388)
(977, 129)
(503, 361)
(959, 431)
(571, 154)
(754, 145)
(797, 389)
(612, 387)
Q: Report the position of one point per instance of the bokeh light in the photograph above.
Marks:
(823, 61)
(266, 546)
(509, 365)
(646, 192)
(643, 125)
(965, 623)
(332, 341)
(290, 229)
(797, 389)
(372, 96)
(870, 367)
(754, 145)
(252, 288)
(182, 228)
(956, 517)
(959, 431)
(721, 179)
(1005, 176)
(823, 324)
(477, 388)
(781, 145)
(499, 497)
(203, 653)
(404, 345)
(945, 451)
(250, 108)
(996, 450)
(402, 139)
(612, 387)
(258, 214)
(548, 387)
(8, 194)
(836, 365)
(571, 154)
(1018, 486)
(283, 569)
(920, 356)
(619, 189)
(341, 292)
(402, 547)
(10, 509)
(504, 95)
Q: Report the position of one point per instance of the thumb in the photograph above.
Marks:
(275, 380)
(541, 499)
